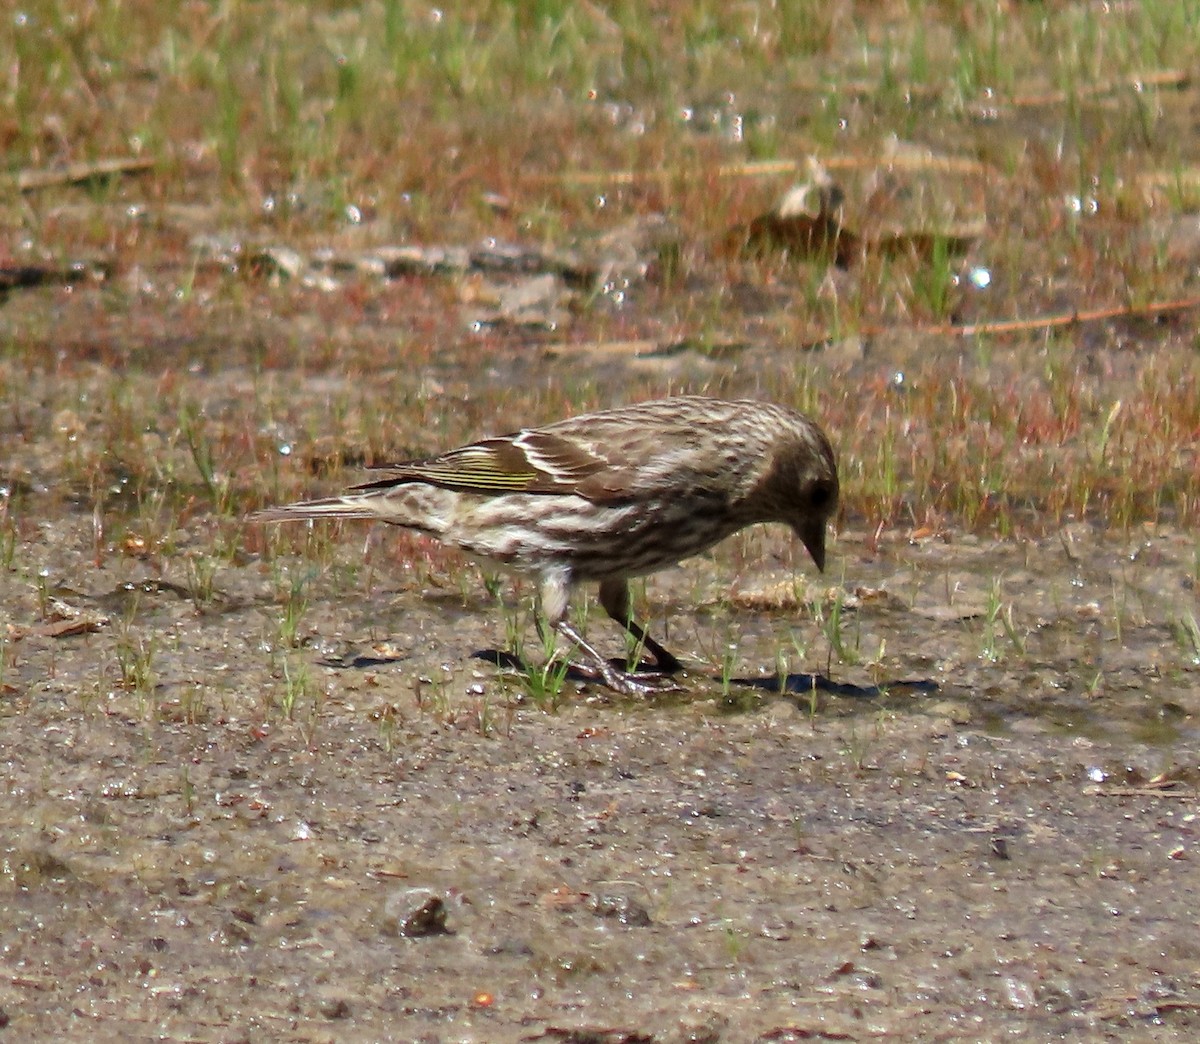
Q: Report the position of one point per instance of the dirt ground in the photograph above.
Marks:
(981, 824)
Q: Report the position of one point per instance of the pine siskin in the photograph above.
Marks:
(607, 496)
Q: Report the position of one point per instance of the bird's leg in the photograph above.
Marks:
(614, 596)
(586, 669)
(624, 682)
(554, 594)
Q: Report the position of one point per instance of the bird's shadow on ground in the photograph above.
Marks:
(800, 684)
(792, 684)
(358, 662)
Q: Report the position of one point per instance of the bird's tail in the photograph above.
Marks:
(415, 506)
(349, 506)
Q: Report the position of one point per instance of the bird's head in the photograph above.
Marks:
(801, 485)
(818, 503)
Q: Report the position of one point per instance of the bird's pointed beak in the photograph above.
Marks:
(813, 538)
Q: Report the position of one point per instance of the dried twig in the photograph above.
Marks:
(81, 173)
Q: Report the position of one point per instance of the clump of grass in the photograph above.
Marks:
(483, 714)
(8, 543)
(295, 603)
(545, 681)
(193, 703)
(998, 620)
(1187, 634)
(200, 445)
(831, 619)
(728, 666)
(295, 685)
(201, 572)
(187, 790)
(386, 718)
(857, 746)
(135, 655)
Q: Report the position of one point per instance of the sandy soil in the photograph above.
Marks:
(989, 845)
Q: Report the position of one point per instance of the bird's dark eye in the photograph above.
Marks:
(820, 495)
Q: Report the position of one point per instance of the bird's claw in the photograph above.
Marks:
(626, 683)
(647, 684)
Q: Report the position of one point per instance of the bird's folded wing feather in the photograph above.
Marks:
(528, 462)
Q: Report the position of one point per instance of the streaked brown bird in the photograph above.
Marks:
(607, 496)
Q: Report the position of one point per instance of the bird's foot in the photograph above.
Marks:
(626, 683)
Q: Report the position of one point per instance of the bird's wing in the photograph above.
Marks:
(531, 461)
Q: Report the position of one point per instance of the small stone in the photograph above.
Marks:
(622, 909)
(415, 913)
